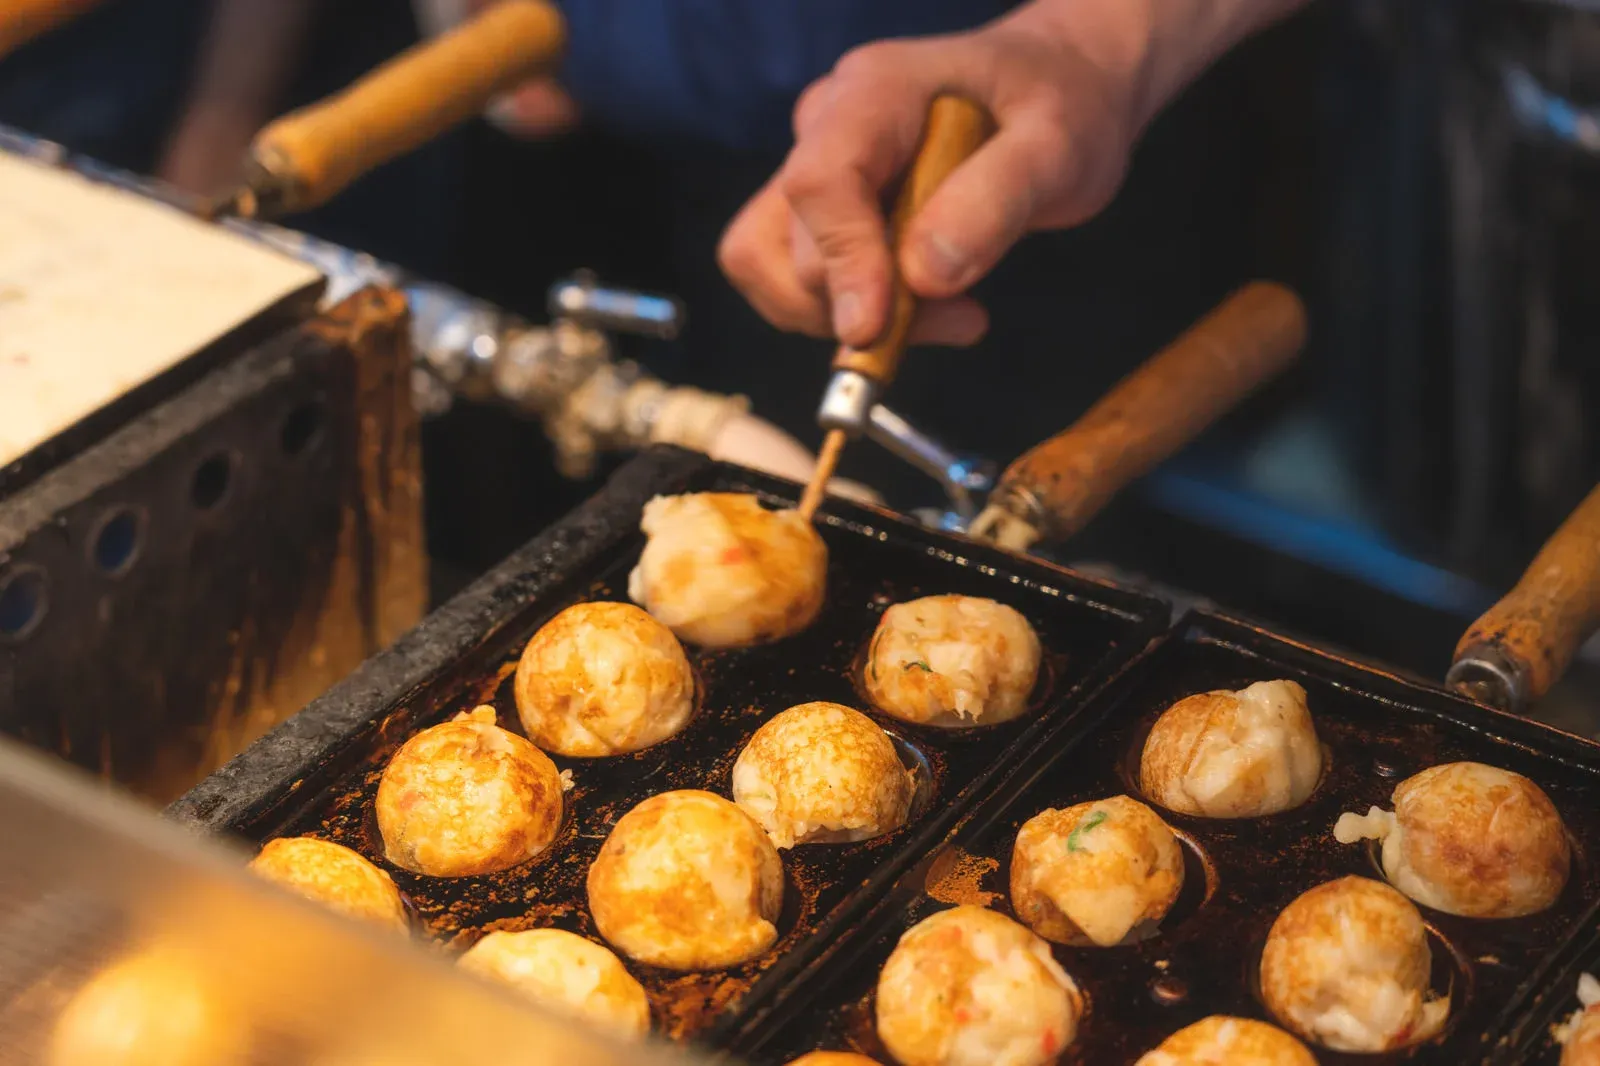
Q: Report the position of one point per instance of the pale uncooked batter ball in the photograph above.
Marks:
(603, 679)
(333, 875)
(1093, 872)
(687, 881)
(467, 797)
(1347, 966)
(1223, 1041)
(1233, 754)
(1580, 1035)
(154, 1008)
(566, 973)
(722, 571)
(971, 987)
(821, 772)
(1469, 839)
(952, 661)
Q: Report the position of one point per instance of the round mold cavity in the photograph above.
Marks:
(1051, 668)
(24, 600)
(117, 541)
(1450, 975)
(1200, 881)
(1129, 766)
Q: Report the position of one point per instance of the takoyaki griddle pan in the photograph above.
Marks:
(318, 773)
(1377, 729)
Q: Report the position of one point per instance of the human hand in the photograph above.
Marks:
(810, 251)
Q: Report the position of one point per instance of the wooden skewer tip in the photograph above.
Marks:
(827, 462)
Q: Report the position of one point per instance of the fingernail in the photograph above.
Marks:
(941, 260)
(846, 314)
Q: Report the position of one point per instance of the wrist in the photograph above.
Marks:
(1152, 48)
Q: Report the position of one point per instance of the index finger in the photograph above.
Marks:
(856, 136)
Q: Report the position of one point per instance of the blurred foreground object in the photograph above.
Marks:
(23, 20)
(130, 941)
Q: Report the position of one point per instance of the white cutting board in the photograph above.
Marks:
(102, 290)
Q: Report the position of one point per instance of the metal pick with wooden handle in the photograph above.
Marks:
(1053, 490)
(23, 20)
(955, 129)
(310, 155)
(1522, 645)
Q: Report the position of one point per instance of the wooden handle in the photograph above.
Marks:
(23, 20)
(1532, 634)
(955, 129)
(1160, 407)
(411, 99)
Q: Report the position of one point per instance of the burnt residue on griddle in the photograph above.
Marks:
(1204, 957)
(1088, 629)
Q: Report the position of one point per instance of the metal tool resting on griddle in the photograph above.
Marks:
(1522, 645)
(310, 155)
(1053, 490)
(955, 129)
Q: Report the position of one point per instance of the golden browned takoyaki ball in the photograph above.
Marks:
(821, 772)
(467, 797)
(687, 881)
(334, 875)
(722, 571)
(832, 1058)
(566, 973)
(1093, 872)
(603, 679)
(1224, 1041)
(1233, 754)
(952, 661)
(1347, 966)
(1580, 1035)
(1469, 839)
(971, 987)
(157, 1007)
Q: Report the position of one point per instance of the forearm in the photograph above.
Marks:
(1156, 46)
(248, 58)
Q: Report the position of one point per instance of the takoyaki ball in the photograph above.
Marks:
(333, 875)
(971, 987)
(821, 772)
(1233, 754)
(1579, 1036)
(603, 679)
(722, 571)
(1347, 965)
(1223, 1041)
(1094, 871)
(154, 1008)
(687, 881)
(952, 661)
(832, 1058)
(467, 797)
(1469, 839)
(567, 974)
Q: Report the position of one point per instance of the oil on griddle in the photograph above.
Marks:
(874, 561)
(1239, 874)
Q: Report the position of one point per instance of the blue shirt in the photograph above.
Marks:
(727, 72)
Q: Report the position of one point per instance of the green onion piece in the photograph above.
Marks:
(1075, 838)
(917, 664)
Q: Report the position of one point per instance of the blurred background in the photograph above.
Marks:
(1424, 172)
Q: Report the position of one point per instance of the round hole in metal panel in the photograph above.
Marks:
(301, 427)
(24, 598)
(212, 478)
(118, 536)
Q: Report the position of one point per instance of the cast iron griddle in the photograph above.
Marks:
(319, 772)
(1378, 730)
